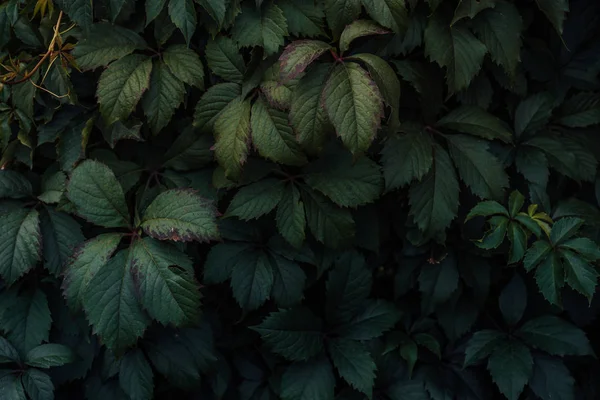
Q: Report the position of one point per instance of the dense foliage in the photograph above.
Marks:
(299, 199)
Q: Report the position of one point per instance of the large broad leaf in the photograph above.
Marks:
(477, 167)
(212, 103)
(79, 11)
(180, 215)
(183, 15)
(354, 105)
(20, 243)
(533, 113)
(14, 185)
(580, 275)
(60, 235)
(304, 17)
(26, 320)
(165, 280)
(135, 376)
(434, 200)
(111, 303)
(85, 262)
(10, 386)
(389, 13)
(499, 28)
(581, 110)
(224, 59)
(252, 280)
(185, 64)
(406, 157)
(311, 380)
(481, 345)
(256, 200)
(556, 11)
(8, 354)
(37, 384)
(49, 355)
(354, 363)
(295, 333)
(340, 13)
(376, 317)
(232, 133)
(290, 217)
(298, 55)
(288, 281)
(476, 121)
(555, 336)
(471, 8)
(455, 48)
(217, 9)
(357, 29)
(511, 367)
(272, 135)
(347, 183)
(264, 27)
(105, 43)
(97, 196)
(121, 86)
(162, 99)
(307, 114)
(551, 379)
(221, 259)
(329, 224)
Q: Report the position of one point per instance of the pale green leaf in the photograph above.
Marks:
(225, 60)
(256, 200)
(121, 85)
(478, 122)
(162, 99)
(232, 134)
(266, 27)
(20, 243)
(357, 29)
(185, 64)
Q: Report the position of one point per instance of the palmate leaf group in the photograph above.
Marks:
(299, 199)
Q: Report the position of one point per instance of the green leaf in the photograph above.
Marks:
(340, 13)
(180, 215)
(434, 200)
(406, 157)
(97, 196)
(288, 282)
(347, 183)
(551, 379)
(481, 345)
(8, 354)
(153, 9)
(455, 48)
(290, 218)
(555, 336)
(486, 209)
(511, 366)
(266, 27)
(477, 167)
(170, 295)
(252, 280)
(307, 114)
(550, 277)
(221, 259)
(471, 8)
(183, 15)
(60, 235)
(533, 113)
(162, 99)
(135, 376)
(311, 380)
(376, 317)
(348, 286)
(389, 13)
(20, 243)
(79, 11)
(185, 64)
(272, 135)
(580, 275)
(329, 224)
(217, 9)
(212, 103)
(513, 300)
(224, 59)
(354, 364)
(494, 237)
(354, 105)
(232, 132)
(296, 334)
(564, 229)
(298, 55)
(38, 385)
(536, 254)
(10, 386)
(121, 86)
(304, 17)
(357, 29)
(106, 43)
(49, 355)
(111, 304)
(26, 320)
(500, 29)
(437, 282)
(581, 110)
(189, 151)
(555, 11)
(386, 81)
(123, 131)
(84, 263)
(518, 240)
(584, 246)
(256, 200)
(14, 185)
(476, 121)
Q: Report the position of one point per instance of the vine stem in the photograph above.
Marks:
(28, 75)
